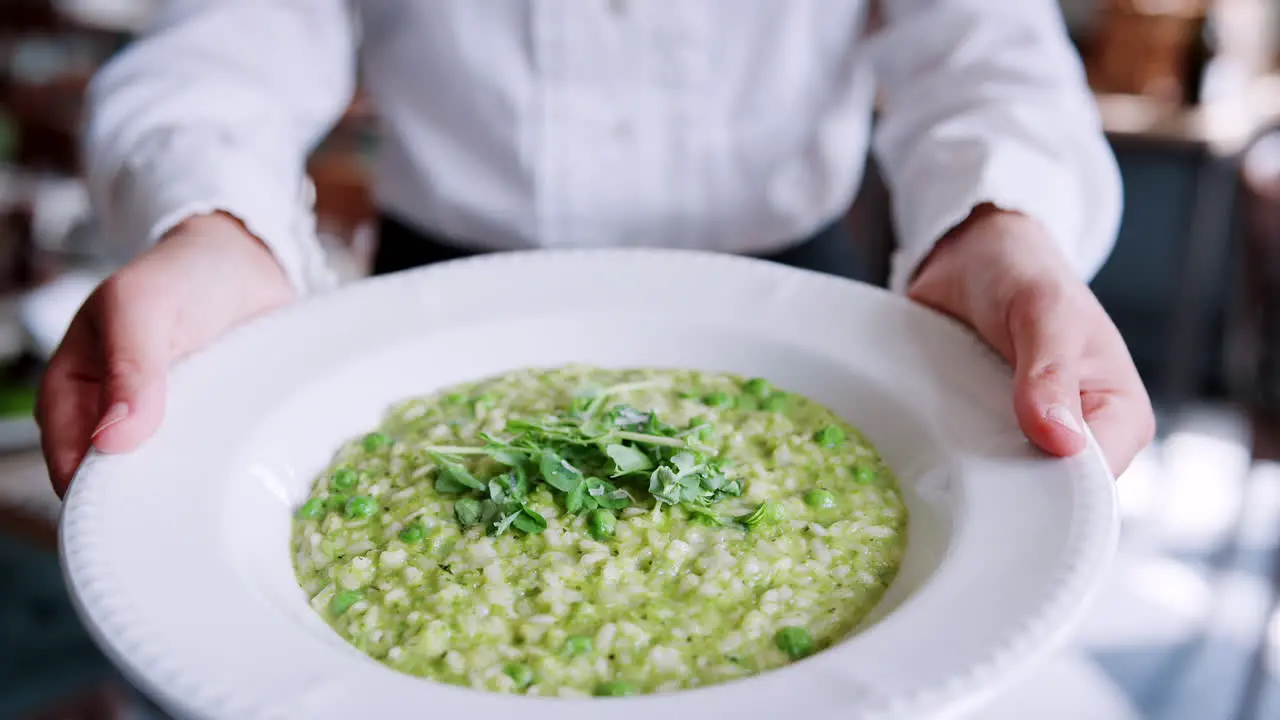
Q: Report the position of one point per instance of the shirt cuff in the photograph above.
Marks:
(1015, 178)
(174, 175)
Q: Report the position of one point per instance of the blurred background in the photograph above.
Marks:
(1189, 92)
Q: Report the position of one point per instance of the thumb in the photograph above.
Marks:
(135, 349)
(1046, 358)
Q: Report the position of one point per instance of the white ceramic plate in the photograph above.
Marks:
(178, 554)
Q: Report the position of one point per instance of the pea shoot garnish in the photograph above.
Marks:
(596, 459)
(468, 511)
(767, 513)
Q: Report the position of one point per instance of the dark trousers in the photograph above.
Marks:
(401, 247)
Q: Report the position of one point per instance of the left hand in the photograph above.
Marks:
(1001, 274)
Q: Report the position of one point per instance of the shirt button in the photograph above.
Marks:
(619, 7)
(623, 131)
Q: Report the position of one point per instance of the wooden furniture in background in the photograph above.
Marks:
(1147, 48)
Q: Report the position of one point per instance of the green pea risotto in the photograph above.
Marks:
(582, 531)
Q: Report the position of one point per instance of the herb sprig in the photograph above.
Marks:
(593, 456)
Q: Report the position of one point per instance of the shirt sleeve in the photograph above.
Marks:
(986, 102)
(216, 108)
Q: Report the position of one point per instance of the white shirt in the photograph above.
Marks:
(736, 125)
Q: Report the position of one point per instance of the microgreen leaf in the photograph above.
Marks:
(766, 514)
(468, 511)
(685, 462)
(446, 484)
(453, 475)
(529, 522)
(509, 456)
(573, 500)
(629, 418)
(488, 511)
(627, 459)
(557, 473)
(614, 500)
(664, 486)
(571, 452)
(690, 493)
(497, 491)
(702, 514)
(504, 522)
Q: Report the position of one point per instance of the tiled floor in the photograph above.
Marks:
(1187, 628)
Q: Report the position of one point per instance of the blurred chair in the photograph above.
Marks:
(1260, 311)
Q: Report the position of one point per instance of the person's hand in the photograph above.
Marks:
(1000, 273)
(105, 385)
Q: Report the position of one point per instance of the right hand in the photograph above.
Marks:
(105, 385)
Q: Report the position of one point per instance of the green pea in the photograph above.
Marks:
(375, 441)
(337, 502)
(468, 511)
(343, 601)
(457, 398)
(718, 400)
(360, 507)
(776, 402)
(794, 641)
(830, 436)
(576, 645)
(758, 387)
(601, 523)
(615, 688)
(311, 509)
(521, 673)
(864, 474)
(343, 479)
(820, 499)
(413, 534)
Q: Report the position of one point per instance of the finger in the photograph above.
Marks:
(67, 404)
(1047, 350)
(136, 351)
(1122, 423)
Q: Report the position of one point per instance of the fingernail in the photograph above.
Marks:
(114, 414)
(1060, 415)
